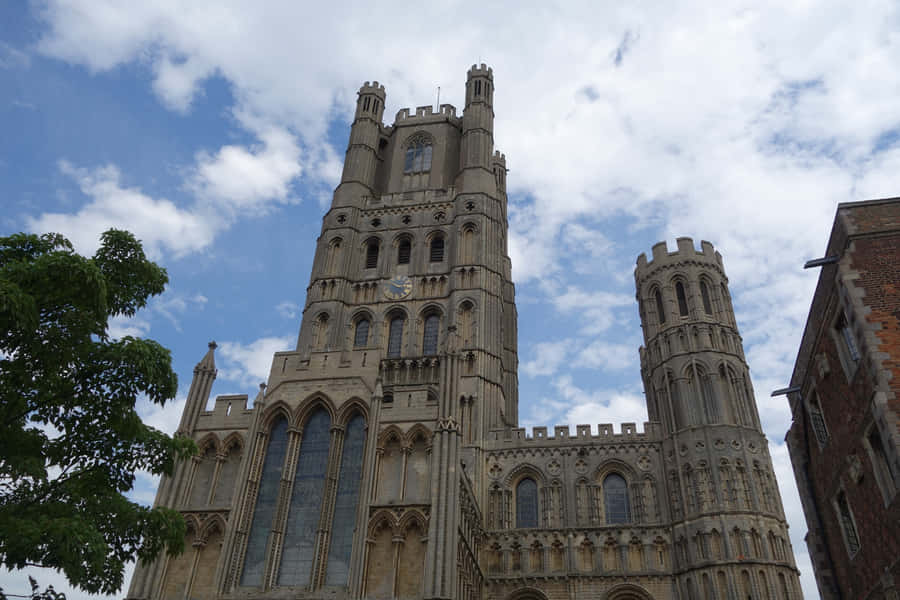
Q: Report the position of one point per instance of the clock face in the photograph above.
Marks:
(398, 287)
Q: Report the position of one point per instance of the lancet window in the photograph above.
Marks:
(395, 337)
(430, 335)
(615, 499)
(286, 541)
(526, 503)
(361, 334)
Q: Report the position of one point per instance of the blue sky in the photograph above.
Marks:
(215, 131)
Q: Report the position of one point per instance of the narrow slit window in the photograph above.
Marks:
(395, 337)
(660, 309)
(366, 102)
(437, 250)
(403, 252)
(372, 255)
(682, 299)
(477, 87)
(847, 524)
(704, 295)
(846, 333)
(430, 336)
(818, 420)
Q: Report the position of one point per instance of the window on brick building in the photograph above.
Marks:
(817, 419)
(885, 472)
(846, 343)
(848, 525)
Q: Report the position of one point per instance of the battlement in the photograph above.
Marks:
(499, 158)
(372, 88)
(480, 71)
(562, 434)
(229, 412)
(444, 112)
(686, 251)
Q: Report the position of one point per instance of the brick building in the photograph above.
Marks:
(845, 401)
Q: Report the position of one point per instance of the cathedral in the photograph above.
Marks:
(383, 458)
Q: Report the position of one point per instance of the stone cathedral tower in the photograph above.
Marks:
(383, 458)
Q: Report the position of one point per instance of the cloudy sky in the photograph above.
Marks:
(215, 131)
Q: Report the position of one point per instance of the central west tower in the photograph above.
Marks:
(383, 458)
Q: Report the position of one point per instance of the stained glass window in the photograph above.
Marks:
(430, 337)
(526, 503)
(361, 337)
(346, 502)
(615, 497)
(395, 337)
(255, 558)
(306, 501)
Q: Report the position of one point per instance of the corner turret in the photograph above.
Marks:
(361, 159)
(477, 147)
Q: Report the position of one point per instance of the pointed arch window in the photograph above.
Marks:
(264, 511)
(615, 499)
(372, 254)
(660, 309)
(704, 296)
(395, 337)
(430, 335)
(682, 299)
(418, 155)
(346, 502)
(526, 503)
(437, 249)
(404, 249)
(298, 551)
(361, 335)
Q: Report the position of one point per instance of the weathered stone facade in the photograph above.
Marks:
(383, 458)
(845, 401)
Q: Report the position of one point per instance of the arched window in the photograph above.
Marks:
(395, 337)
(660, 309)
(682, 299)
(704, 295)
(361, 336)
(344, 519)
(372, 254)
(418, 155)
(430, 335)
(437, 249)
(526, 503)
(264, 512)
(321, 332)
(305, 507)
(403, 251)
(615, 499)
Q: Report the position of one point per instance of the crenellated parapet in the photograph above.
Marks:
(562, 434)
(661, 258)
(425, 115)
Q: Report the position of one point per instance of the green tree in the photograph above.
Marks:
(70, 437)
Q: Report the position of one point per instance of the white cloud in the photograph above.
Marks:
(172, 305)
(240, 180)
(249, 364)
(288, 309)
(548, 356)
(121, 326)
(158, 223)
